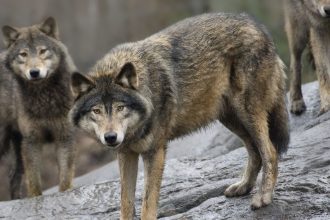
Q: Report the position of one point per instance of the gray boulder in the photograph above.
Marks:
(202, 142)
(194, 183)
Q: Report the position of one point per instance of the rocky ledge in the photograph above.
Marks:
(193, 185)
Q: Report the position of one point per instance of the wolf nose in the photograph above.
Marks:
(110, 138)
(34, 73)
(325, 11)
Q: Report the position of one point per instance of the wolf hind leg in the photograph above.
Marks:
(259, 131)
(245, 185)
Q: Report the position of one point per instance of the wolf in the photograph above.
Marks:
(307, 24)
(35, 95)
(211, 67)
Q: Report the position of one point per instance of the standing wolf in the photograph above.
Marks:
(35, 74)
(307, 22)
(211, 67)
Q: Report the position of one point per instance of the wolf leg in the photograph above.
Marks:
(16, 178)
(6, 136)
(31, 154)
(128, 165)
(320, 47)
(260, 134)
(297, 33)
(253, 166)
(250, 174)
(153, 171)
(65, 160)
(324, 93)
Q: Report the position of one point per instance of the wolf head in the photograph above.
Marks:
(319, 7)
(33, 52)
(110, 107)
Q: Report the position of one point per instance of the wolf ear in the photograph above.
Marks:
(49, 27)
(10, 35)
(127, 76)
(80, 84)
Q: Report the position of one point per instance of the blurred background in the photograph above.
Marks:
(90, 28)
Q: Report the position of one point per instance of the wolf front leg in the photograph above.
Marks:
(321, 51)
(297, 33)
(31, 154)
(128, 165)
(153, 173)
(65, 160)
(16, 178)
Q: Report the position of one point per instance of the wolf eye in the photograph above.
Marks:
(42, 51)
(120, 108)
(23, 54)
(96, 111)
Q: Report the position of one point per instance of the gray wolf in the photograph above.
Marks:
(35, 96)
(307, 24)
(211, 67)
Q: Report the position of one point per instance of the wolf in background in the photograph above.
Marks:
(35, 98)
(307, 24)
(211, 67)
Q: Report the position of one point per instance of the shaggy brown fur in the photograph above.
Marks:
(211, 67)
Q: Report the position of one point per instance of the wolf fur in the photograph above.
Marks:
(307, 24)
(9, 135)
(211, 67)
(35, 95)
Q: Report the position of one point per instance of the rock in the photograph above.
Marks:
(191, 145)
(193, 185)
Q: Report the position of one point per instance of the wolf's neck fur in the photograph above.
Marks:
(49, 98)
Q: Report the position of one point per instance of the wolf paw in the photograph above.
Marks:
(238, 189)
(261, 200)
(324, 110)
(298, 107)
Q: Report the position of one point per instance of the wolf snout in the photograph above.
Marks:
(111, 138)
(325, 11)
(34, 73)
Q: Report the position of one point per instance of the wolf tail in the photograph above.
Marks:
(278, 119)
(279, 128)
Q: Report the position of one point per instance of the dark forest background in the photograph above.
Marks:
(90, 28)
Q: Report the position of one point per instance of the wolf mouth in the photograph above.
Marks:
(113, 147)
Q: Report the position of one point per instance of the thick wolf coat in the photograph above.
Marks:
(211, 67)
(35, 98)
(307, 24)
